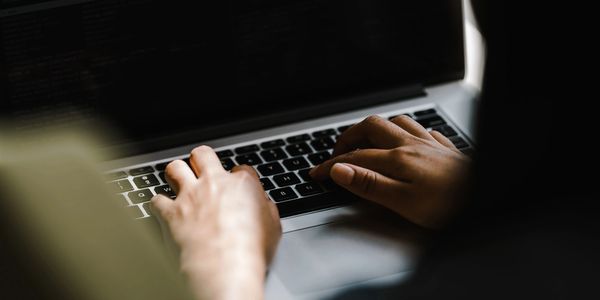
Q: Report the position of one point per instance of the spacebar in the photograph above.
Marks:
(308, 204)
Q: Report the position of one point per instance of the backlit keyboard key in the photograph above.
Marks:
(307, 189)
(323, 133)
(283, 194)
(296, 163)
(246, 149)
(272, 144)
(165, 190)
(286, 179)
(140, 171)
(319, 158)
(248, 159)
(227, 164)
(146, 181)
(225, 153)
(273, 154)
(267, 184)
(322, 144)
(298, 149)
(120, 186)
(421, 113)
(140, 196)
(115, 175)
(298, 138)
(270, 169)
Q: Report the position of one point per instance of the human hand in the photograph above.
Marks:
(226, 227)
(399, 165)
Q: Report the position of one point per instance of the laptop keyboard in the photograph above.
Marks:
(282, 164)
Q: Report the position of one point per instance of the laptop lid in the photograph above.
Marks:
(167, 73)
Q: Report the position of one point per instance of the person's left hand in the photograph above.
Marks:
(226, 227)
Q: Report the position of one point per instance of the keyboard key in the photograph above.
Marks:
(227, 163)
(162, 177)
(140, 171)
(322, 144)
(421, 113)
(431, 121)
(272, 144)
(307, 189)
(323, 133)
(225, 153)
(286, 179)
(273, 154)
(304, 175)
(298, 149)
(146, 181)
(120, 186)
(161, 166)
(446, 130)
(344, 128)
(283, 194)
(247, 149)
(298, 138)
(146, 207)
(270, 169)
(135, 212)
(459, 142)
(296, 163)
(115, 175)
(122, 200)
(140, 196)
(319, 158)
(248, 159)
(165, 190)
(267, 184)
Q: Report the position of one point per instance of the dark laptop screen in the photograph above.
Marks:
(154, 68)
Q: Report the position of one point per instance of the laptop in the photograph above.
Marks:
(270, 84)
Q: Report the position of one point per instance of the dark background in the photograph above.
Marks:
(152, 68)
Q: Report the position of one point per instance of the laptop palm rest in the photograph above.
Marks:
(345, 252)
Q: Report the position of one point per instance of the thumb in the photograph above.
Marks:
(366, 183)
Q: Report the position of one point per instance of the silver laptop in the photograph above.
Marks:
(270, 84)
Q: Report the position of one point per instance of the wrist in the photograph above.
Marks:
(231, 273)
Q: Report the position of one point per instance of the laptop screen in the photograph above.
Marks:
(153, 69)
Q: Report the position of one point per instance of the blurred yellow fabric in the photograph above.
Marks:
(73, 228)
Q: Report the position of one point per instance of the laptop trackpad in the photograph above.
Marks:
(338, 254)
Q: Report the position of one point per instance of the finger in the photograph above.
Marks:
(204, 160)
(442, 139)
(373, 159)
(245, 168)
(374, 132)
(411, 126)
(161, 206)
(368, 184)
(179, 175)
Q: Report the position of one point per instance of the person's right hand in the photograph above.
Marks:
(400, 165)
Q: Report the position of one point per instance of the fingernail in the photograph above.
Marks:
(342, 174)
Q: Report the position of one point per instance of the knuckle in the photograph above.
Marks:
(373, 119)
(200, 150)
(399, 155)
(366, 181)
(174, 165)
